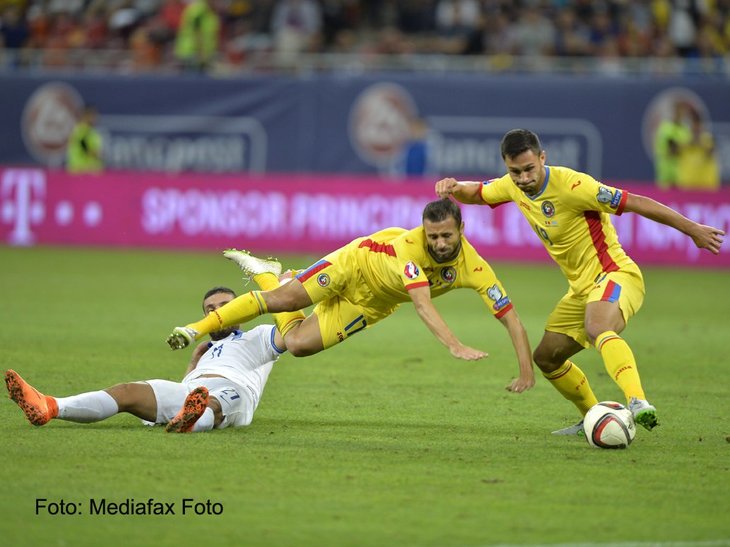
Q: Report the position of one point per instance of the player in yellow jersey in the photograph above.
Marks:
(365, 281)
(569, 211)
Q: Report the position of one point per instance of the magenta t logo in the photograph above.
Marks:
(22, 195)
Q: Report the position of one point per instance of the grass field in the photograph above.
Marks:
(382, 441)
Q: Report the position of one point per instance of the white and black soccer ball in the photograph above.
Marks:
(609, 425)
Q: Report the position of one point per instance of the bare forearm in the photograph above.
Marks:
(658, 212)
(704, 237)
(462, 191)
(436, 325)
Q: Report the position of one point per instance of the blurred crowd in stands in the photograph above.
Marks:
(232, 35)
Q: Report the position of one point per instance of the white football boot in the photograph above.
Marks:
(644, 413)
(251, 265)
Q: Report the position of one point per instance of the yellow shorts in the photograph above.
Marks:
(625, 287)
(345, 304)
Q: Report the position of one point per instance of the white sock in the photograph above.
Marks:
(87, 407)
(205, 422)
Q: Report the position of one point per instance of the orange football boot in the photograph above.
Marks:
(38, 408)
(193, 408)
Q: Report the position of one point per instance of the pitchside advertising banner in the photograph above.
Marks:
(296, 214)
(353, 123)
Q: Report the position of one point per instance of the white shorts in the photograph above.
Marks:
(236, 403)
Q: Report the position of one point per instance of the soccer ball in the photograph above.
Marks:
(609, 425)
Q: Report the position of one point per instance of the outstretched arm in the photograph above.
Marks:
(425, 309)
(521, 344)
(705, 237)
(463, 191)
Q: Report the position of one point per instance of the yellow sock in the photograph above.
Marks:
(239, 310)
(572, 384)
(285, 321)
(620, 363)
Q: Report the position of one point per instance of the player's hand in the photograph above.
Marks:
(707, 237)
(467, 354)
(445, 187)
(518, 385)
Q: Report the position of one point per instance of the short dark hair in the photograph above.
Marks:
(441, 209)
(517, 141)
(216, 290)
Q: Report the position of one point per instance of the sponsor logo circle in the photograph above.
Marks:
(48, 118)
(323, 280)
(379, 123)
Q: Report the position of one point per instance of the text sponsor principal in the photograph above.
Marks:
(340, 218)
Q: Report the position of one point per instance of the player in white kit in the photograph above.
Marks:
(222, 386)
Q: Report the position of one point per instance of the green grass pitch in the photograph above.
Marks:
(384, 440)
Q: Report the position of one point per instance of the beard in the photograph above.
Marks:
(223, 333)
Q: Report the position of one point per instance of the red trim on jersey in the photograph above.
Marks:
(492, 205)
(622, 203)
(306, 274)
(504, 310)
(376, 247)
(593, 219)
(416, 285)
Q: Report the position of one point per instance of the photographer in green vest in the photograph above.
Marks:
(83, 152)
(197, 36)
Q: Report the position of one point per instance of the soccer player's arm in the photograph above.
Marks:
(421, 297)
(473, 192)
(704, 237)
(521, 343)
(198, 352)
(483, 280)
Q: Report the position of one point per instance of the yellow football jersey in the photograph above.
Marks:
(394, 261)
(570, 214)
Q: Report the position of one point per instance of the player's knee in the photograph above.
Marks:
(546, 360)
(299, 346)
(125, 395)
(287, 298)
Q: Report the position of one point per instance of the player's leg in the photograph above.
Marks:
(552, 356)
(214, 402)
(88, 407)
(616, 298)
(290, 297)
(174, 398)
(37, 407)
(287, 298)
(564, 337)
(193, 408)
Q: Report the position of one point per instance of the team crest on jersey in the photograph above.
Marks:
(411, 271)
(548, 209)
(448, 274)
(323, 280)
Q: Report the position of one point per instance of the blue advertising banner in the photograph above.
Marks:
(354, 123)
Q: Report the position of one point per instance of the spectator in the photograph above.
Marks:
(14, 32)
(670, 136)
(416, 161)
(197, 36)
(295, 25)
(534, 34)
(697, 164)
(84, 149)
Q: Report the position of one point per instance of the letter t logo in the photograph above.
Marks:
(22, 193)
